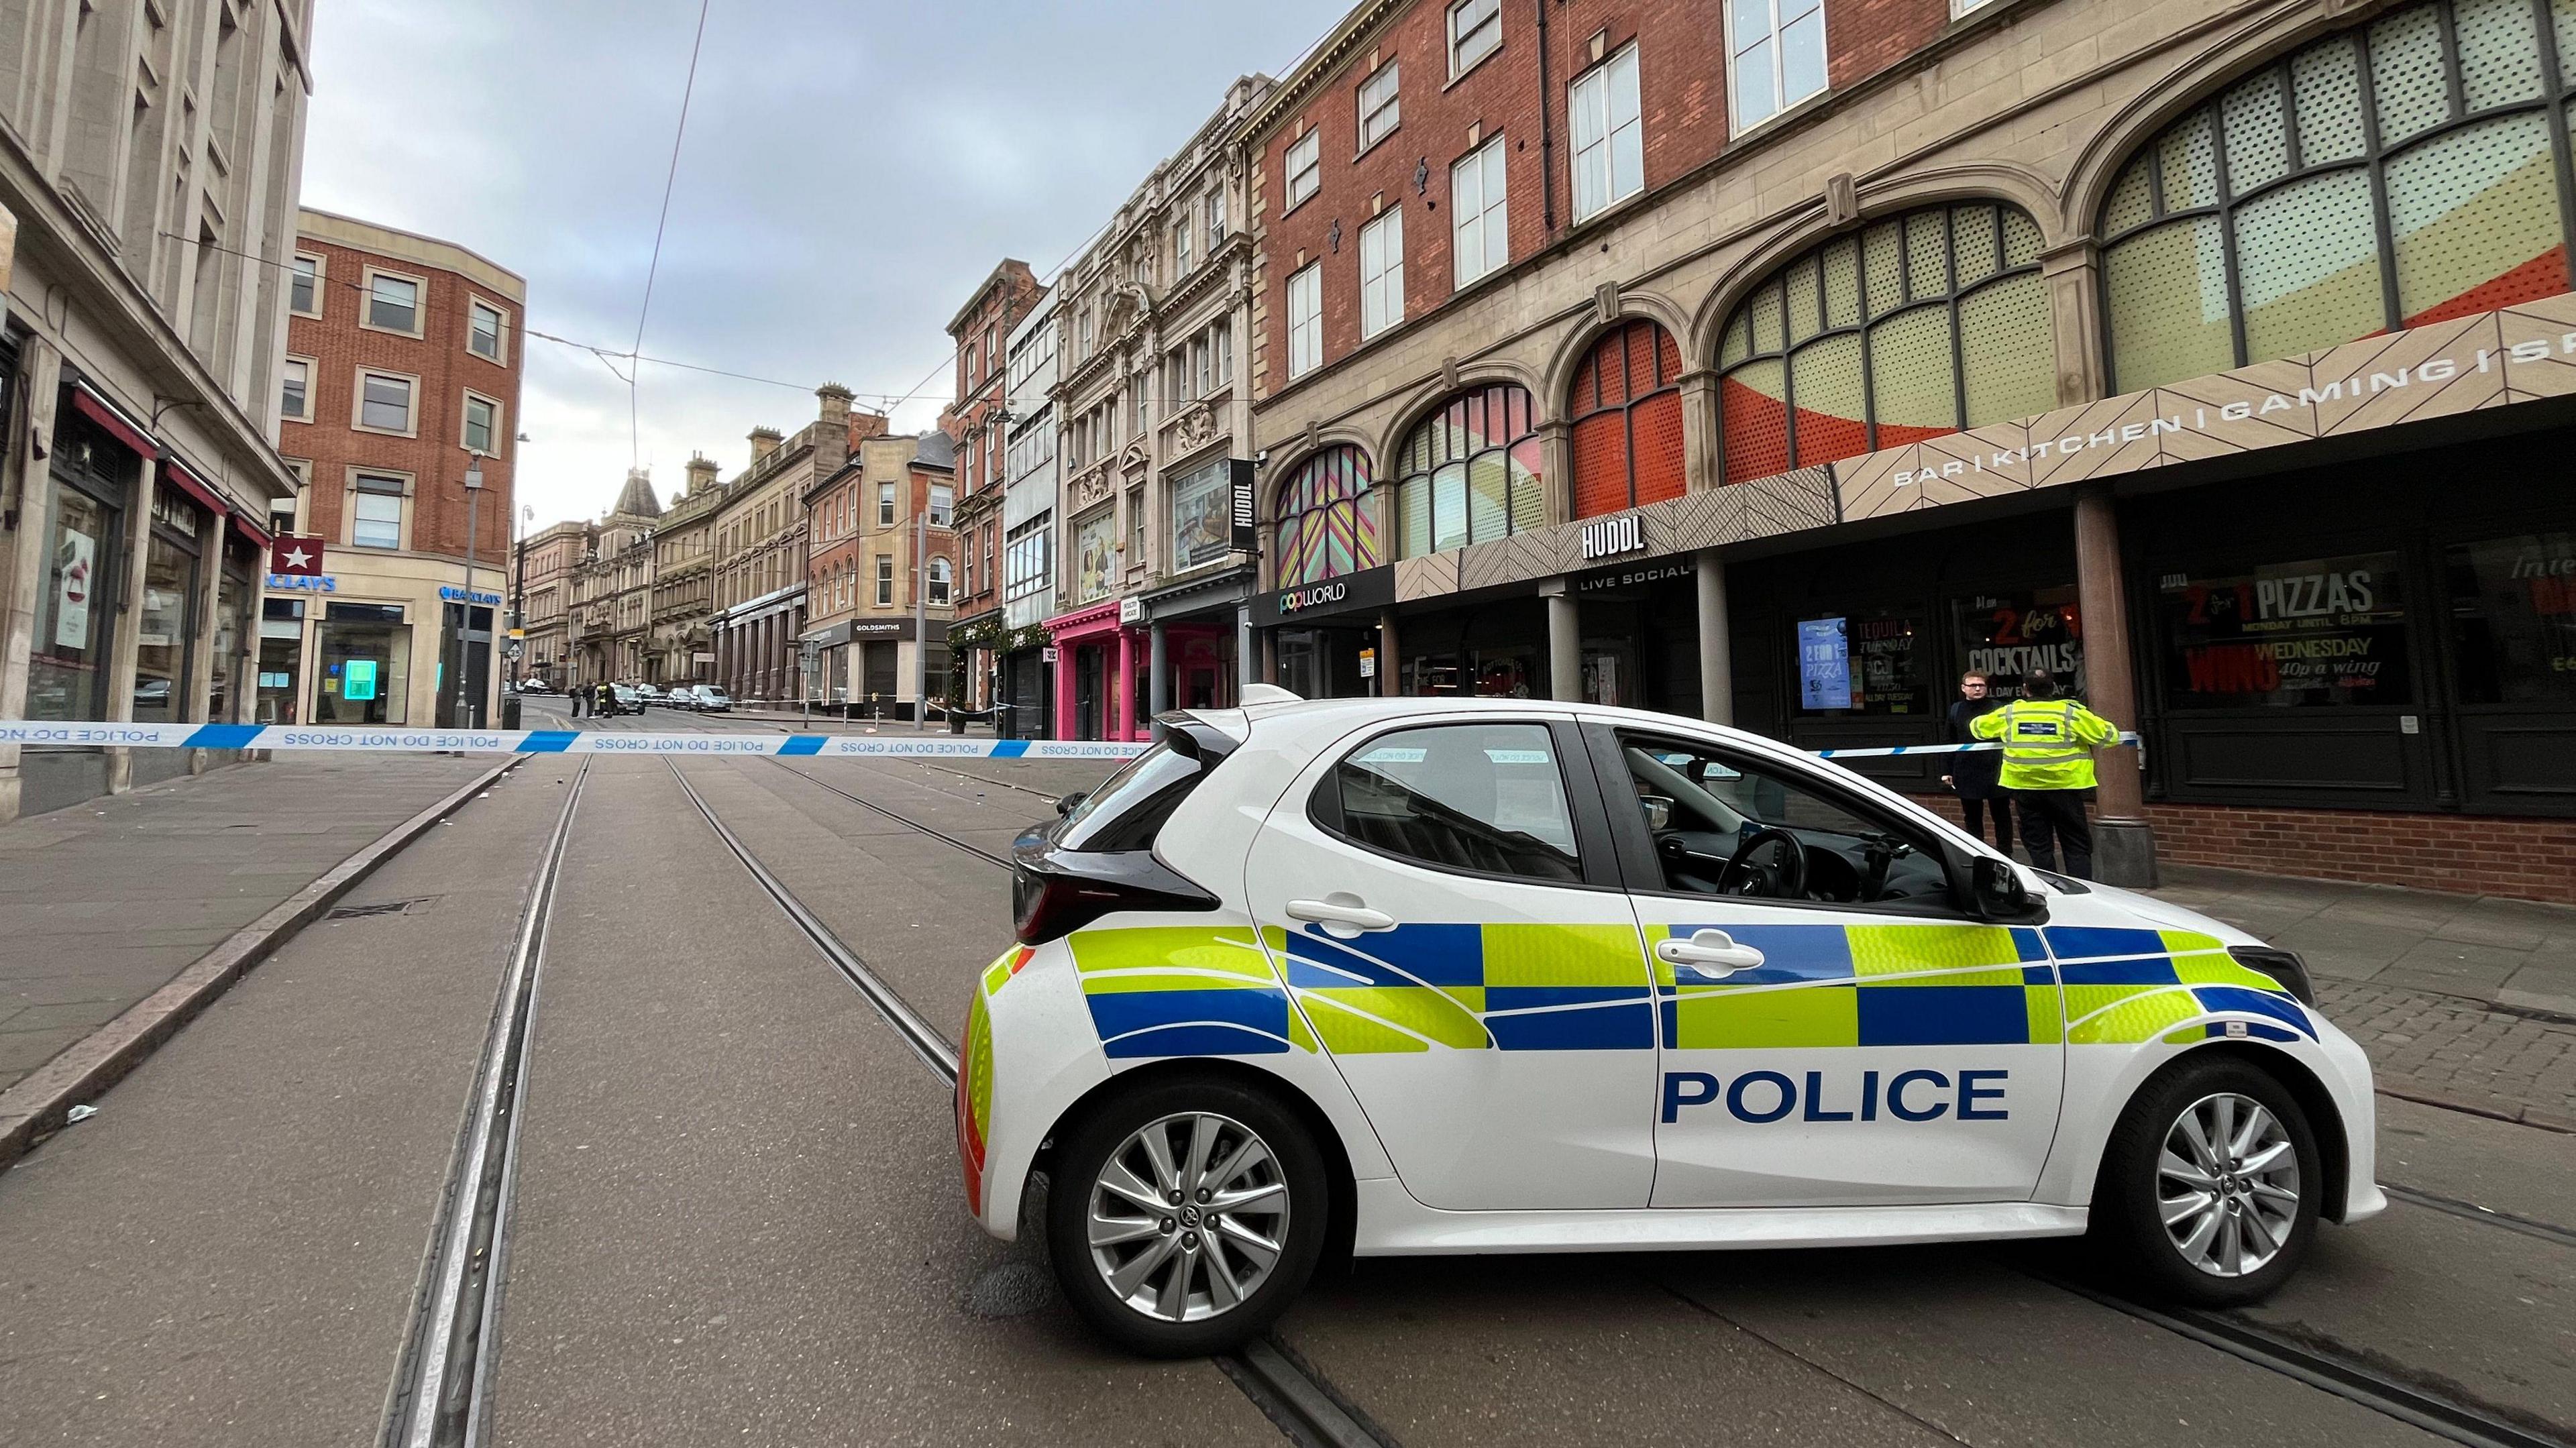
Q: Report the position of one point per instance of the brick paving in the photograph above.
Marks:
(2452, 1051)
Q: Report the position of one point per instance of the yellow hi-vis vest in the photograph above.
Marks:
(2048, 743)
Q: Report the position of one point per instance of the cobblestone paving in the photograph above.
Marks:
(2452, 1051)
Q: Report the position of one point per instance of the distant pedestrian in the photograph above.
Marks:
(1977, 774)
(2048, 767)
(580, 696)
(604, 702)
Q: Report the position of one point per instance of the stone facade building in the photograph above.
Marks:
(541, 583)
(760, 559)
(611, 634)
(402, 370)
(979, 420)
(882, 578)
(149, 165)
(2214, 356)
(682, 647)
(1152, 347)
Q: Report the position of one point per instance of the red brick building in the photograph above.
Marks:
(402, 371)
(979, 420)
(1777, 362)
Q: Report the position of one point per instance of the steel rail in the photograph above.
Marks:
(925, 1039)
(440, 1394)
(2459, 1422)
(987, 856)
(1295, 1400)
(2510, 1221)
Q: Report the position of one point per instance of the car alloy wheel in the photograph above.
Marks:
(1188, 1217)
(2227, 1185)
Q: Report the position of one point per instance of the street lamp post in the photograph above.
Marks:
(465, 614)
(519, 599)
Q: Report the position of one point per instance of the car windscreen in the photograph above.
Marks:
(1126, 811)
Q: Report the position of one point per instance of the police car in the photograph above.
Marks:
(1479, 976)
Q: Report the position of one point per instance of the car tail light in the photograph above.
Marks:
(1056, 892)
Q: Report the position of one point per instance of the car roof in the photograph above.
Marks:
(1283, 717)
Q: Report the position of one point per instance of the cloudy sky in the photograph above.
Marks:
(850, 171)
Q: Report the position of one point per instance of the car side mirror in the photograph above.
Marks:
(1998, 894)
(1659, 812)
(1071, 802)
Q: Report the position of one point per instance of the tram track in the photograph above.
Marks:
(441, 1389)
(1300, 1403)
(2339, 1373)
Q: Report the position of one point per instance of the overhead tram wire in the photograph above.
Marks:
(661, 223)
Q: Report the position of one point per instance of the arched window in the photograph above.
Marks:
(1470, 472)
(1328, 519)
(1627, 410)
(2386, 177)
(938, 581)
(1921, 325)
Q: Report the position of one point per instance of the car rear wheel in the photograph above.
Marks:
(1186, 1215)
(2208, 1192)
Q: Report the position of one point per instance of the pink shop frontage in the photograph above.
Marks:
(1104, 674)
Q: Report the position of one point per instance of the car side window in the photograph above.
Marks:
(1727, 824)
(1486, 799)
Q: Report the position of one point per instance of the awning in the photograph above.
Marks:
(258, 537)
(104, 413)
(195, 487)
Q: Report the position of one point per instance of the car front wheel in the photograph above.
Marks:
(1186, 1215)
(2209, 1185)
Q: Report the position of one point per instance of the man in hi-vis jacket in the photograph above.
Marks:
(2048, 769)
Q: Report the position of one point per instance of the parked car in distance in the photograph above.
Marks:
(713, 700)
(537, 686)
(649, 694)
(628, 701)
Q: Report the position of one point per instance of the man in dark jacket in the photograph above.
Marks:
(1974, 773)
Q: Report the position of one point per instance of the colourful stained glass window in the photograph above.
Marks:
(1328, 519)
(2401, 173)
(1920, 325)
(1470, 472)
(1626, 404)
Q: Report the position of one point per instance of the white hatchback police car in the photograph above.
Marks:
(1422, 976)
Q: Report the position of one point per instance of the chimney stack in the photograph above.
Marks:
(764, 441)
(832, 431)
(865, 425)
(702, 473)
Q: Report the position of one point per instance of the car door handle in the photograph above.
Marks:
(1708, 953)
(1336, 912)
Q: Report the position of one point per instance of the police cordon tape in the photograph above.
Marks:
(575, 741)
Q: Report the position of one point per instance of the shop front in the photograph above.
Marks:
(867, 665)
(1325, 636)
(1101, 657)
(372, 640)
(1194, 638)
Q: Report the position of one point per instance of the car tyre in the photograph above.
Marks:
(2190, 1201)
(1098, 1226)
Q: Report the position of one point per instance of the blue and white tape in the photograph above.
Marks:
(548, 741)
(1891, 750)
(593, 741)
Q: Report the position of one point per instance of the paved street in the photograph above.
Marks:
(736, 1214)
